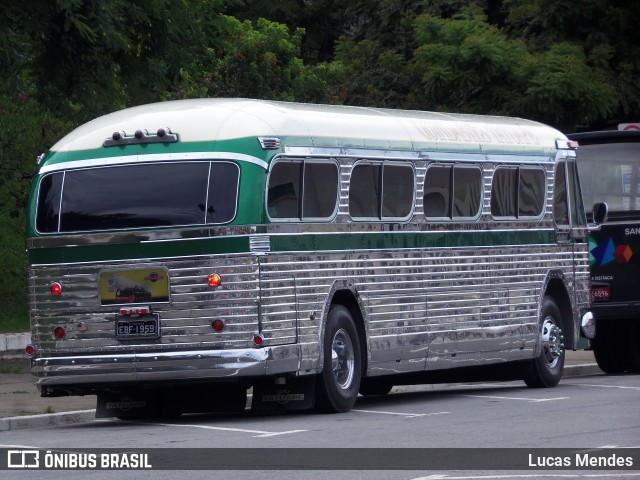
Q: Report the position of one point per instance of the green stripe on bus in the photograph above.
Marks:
(408, 240)
(136, 251)
(290, 243)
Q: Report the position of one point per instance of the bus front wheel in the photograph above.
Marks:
(545, 370)
(338, 384)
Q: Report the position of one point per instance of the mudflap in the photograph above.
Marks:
(293, 394)
(172, 402)
(129, 405)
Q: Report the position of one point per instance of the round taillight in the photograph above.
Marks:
(56, 289)
(116, 136)
(257, 340)
(140, 133)
(214, 280)
(59, 332)
(29, 350)
(217, 325)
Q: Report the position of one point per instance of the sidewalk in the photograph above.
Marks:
(21, 405)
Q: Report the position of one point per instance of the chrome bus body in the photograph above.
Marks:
(426, 294)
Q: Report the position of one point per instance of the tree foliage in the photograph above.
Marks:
(574, 65)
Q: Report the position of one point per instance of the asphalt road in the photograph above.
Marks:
(581, 413)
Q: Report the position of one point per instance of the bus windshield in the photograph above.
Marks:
(609, 173)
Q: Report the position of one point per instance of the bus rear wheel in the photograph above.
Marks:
(608, 352)
(338, 384)
(546, 369)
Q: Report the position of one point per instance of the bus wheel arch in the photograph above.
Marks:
(556, 289)
(555, 333)
(546, 368)
(343, 359)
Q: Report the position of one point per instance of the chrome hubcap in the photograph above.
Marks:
(342, 358)
(552, 342)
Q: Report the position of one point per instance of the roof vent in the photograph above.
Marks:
(269, 143)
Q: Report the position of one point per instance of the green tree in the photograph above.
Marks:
(607, 34)
(467, 65)
(261, 61)
(323, 21)
(26, 128)
(376, 51)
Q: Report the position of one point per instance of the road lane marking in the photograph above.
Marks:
(407, 415)
(258, 433)
(621, 387)
(532, 400)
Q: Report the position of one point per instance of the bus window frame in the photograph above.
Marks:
(450, 205)
(209, 161)
(518, 167)
(382, 164)
(301, 218)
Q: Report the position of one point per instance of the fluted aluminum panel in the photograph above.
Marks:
(185, 320)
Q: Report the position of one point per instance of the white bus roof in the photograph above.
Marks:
(224, 119)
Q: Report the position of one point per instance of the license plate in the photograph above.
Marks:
(600, 293)
(144, 326)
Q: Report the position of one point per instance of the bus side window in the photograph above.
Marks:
(577, 208)
(319, 190)
(531, 192)
(504, 191)
(467, 191)
(560, 207)
(452, 191)
(437, 187)
(364, 191)
(397, 191)
(518, 192)
(315, 197)
(283, 197)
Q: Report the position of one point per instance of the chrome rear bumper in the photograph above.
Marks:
(113, 369)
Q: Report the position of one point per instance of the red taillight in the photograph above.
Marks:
(56, 289)
(29, 350)
(59, 332)
(601, 293)
(217, 325)
(214, 280)
(258, 340)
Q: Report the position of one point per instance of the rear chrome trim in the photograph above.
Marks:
(159, 157)
(164, 366)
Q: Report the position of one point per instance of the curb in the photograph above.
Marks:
(46, 420)
(583, 369)
(13, 344)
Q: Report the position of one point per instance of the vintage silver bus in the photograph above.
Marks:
(181, 253)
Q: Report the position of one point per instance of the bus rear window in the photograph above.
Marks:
(138, 196)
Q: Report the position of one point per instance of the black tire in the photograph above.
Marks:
(338, 384)
(545, 371)
(609, 345)
(633, 358)
(375, 386)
